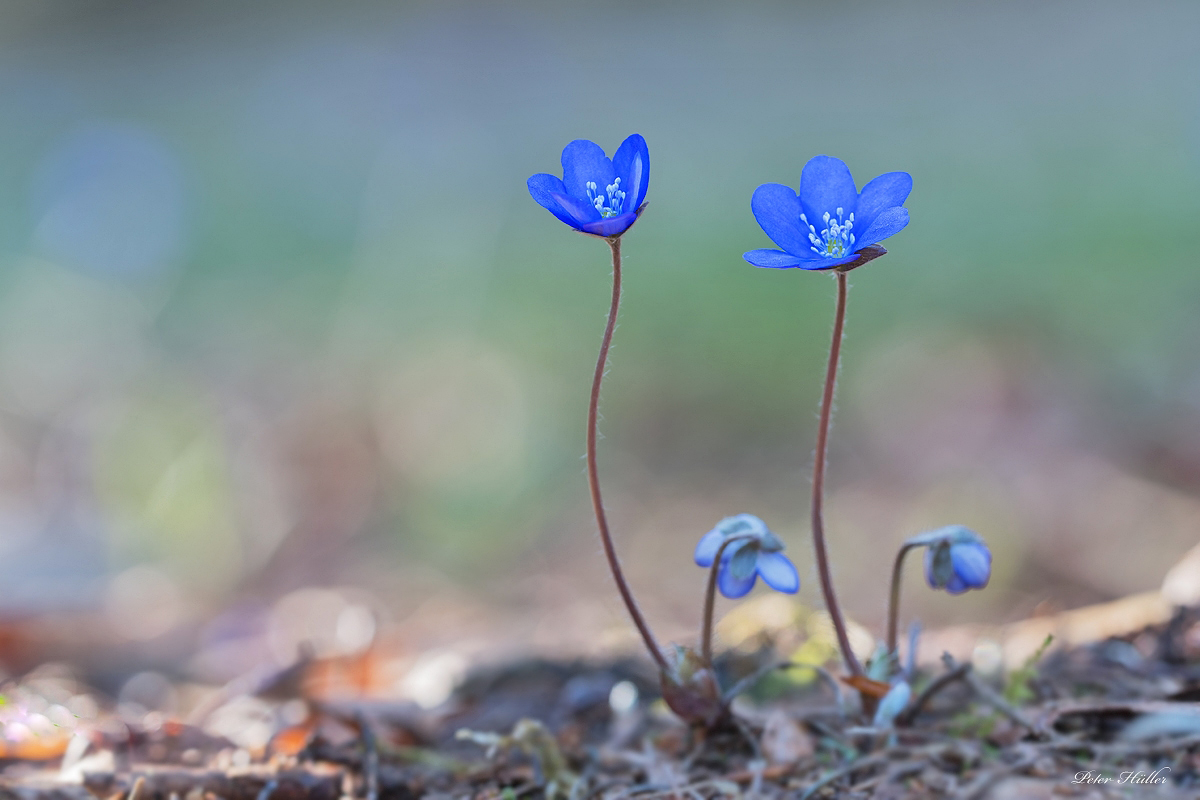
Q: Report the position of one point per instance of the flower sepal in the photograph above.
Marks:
(621, 224)
(867, 254)
(690, 688)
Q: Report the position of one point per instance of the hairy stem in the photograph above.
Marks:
(818, 483)
(710, 596)
(610, 551)
(894, 599)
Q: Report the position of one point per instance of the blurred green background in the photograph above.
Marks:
(276, 310)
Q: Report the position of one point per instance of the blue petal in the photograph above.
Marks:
(955, 585)
(584, 161)
(733, 587)
(889, 221)
(707, 547)
(543, 187)
(631, 162)
(825, 186)
(972, 564)
(579, 210)
(887, 191)
(776, 259)
(777, 209)
(778, 572)
(612, 226)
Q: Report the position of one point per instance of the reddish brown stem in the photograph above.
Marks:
(710, 596)
(818, 483)
(894, 599)
(610, 551)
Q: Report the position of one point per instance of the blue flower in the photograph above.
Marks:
(758, 552)
(957, 559)
(828, 224)
(597, 195)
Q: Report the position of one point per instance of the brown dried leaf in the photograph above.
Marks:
(785, 741)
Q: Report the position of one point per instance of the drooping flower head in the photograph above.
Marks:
(759, 553)
(596, 194)
(828, 223)
(957, 559)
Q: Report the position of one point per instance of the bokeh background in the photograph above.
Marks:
(287, 353)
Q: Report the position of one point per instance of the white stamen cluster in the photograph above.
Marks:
(611, 202)
(835, 240)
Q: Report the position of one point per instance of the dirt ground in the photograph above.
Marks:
(1114, 718)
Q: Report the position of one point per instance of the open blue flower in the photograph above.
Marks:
(828, 224)
(957, 559)
(596, 194)
(757, 552)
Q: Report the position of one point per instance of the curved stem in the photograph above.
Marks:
(818, 483)
(610, 551)
(710, 594)
(894, 599)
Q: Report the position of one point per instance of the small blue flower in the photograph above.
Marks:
(596, 194)
(760, 553)
(957, 559)
(828, 224)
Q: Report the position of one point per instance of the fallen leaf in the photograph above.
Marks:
(785, 741)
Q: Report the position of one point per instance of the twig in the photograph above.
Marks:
(650, 791)
(990, 696)
(269, 682)
(849, 769)
(162, 781)
(749, 736)
(982, 784)
(939, 683)
(268, 789)
(370, 756)
(901, 770)
(773, 772)
(1119, 749)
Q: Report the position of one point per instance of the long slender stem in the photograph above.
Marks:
(710, 596)
(894, 599)
(610, 551)
(818, 483)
